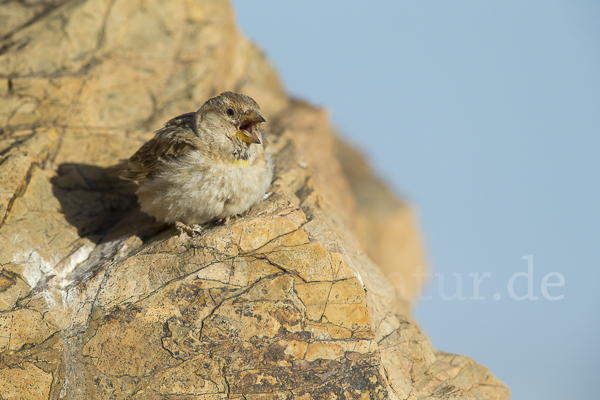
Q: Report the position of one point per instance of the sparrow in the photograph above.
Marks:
(203, 166)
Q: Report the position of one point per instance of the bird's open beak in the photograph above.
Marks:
(247, 129)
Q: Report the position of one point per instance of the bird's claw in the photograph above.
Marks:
(191, 230)
(231, 219)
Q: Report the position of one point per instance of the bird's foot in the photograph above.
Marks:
(230, 219)
(191, 230)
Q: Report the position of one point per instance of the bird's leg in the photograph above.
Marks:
(230, 219)
(191, 230)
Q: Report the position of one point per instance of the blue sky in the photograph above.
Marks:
(486, 116)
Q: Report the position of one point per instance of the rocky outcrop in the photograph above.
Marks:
(99, 301)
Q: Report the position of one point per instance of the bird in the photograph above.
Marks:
(203, 166)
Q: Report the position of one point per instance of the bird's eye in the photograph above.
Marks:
(230, 112)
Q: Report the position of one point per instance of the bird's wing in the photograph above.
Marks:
(172, 141)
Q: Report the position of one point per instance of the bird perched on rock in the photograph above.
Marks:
(205, 165)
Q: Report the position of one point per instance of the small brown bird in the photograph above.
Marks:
(205, 165)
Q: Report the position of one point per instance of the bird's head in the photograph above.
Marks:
(230, 119)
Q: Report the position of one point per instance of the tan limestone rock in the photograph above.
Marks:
(98, 301)
(385, 226)
(25, 381)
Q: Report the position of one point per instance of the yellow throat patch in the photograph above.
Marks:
(241, 163)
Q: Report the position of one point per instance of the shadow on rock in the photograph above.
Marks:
(99, 204)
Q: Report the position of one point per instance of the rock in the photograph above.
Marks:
(99, 301)
(385, 227)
